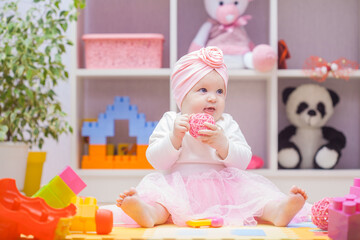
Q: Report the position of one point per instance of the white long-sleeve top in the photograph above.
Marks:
(194, 156)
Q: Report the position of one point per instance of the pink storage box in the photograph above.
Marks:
(123, 50)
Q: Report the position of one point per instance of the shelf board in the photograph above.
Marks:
(89, 73)
(247, 74)
(299, 73)
(240, 74)
(315, 173)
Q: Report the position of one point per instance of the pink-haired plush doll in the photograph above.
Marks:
(225, 29)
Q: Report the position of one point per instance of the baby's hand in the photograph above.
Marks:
(181, 126)
(215, 137)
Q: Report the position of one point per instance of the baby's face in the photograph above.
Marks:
(207, 96)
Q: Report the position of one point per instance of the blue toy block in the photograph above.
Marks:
(106, 124)
(137, 125)
(97, 140)
(120, 110)
(145, 133)
(121, 104)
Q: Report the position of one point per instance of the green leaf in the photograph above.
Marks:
(29, 74)
(3, 132)
(31, 51)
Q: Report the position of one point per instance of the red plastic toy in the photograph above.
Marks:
(29, 216)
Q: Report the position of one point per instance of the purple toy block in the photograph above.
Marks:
(356, 188)
(344, 218)
(74, 182)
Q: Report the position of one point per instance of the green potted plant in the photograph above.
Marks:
(32, 44)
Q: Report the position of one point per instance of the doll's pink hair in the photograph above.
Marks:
(194, 66)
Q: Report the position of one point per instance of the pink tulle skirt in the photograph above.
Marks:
(235, 195)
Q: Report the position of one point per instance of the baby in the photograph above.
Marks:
(205, 176)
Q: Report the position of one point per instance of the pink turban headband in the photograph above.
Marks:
(194, 66)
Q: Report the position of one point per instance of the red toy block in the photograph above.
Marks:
(356, 188)
(344, 218)
(29, 216)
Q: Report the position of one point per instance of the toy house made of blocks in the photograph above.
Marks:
(104, 127)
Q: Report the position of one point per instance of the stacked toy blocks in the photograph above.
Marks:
(30, 216)
(89, 218)
(105, 127)
(344, 215)
(61, 189)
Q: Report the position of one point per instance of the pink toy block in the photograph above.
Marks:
(344, 218)
(74, 182)
(355, 189)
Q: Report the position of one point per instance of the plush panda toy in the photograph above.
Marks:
(308, 143)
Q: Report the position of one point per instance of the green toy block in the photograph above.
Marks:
(56, 193)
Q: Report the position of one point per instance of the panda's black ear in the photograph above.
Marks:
(334, 97)
(286, 93)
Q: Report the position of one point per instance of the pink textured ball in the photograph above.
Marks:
(320, 213)
(264, 58)
(197, 122)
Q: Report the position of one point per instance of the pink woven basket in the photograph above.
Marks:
(123, 50)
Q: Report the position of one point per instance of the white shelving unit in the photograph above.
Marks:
(253, 98)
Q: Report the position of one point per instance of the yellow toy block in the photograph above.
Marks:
(63, 228)
(33, 174)
(110, 149)
(122, 149)
(84, 220)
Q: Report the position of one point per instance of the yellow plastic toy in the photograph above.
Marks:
(89, 218)
(206, 222)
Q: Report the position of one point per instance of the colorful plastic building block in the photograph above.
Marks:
(99, 152)
(120, 110)
(344, 218)
(30, 216)
(90, 218)
(355, 189)
(206, 222)
(61, 189)
(34, 167)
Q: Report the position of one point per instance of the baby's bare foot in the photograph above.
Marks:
(125, 194)
(290, 206)
(141, 212)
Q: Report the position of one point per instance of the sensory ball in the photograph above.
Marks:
(197, 122)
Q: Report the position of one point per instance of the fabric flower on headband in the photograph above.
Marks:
(318, 69)
(211, 56)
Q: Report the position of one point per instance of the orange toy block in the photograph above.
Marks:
(97, 162)
(97, 150)
(141, 157)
